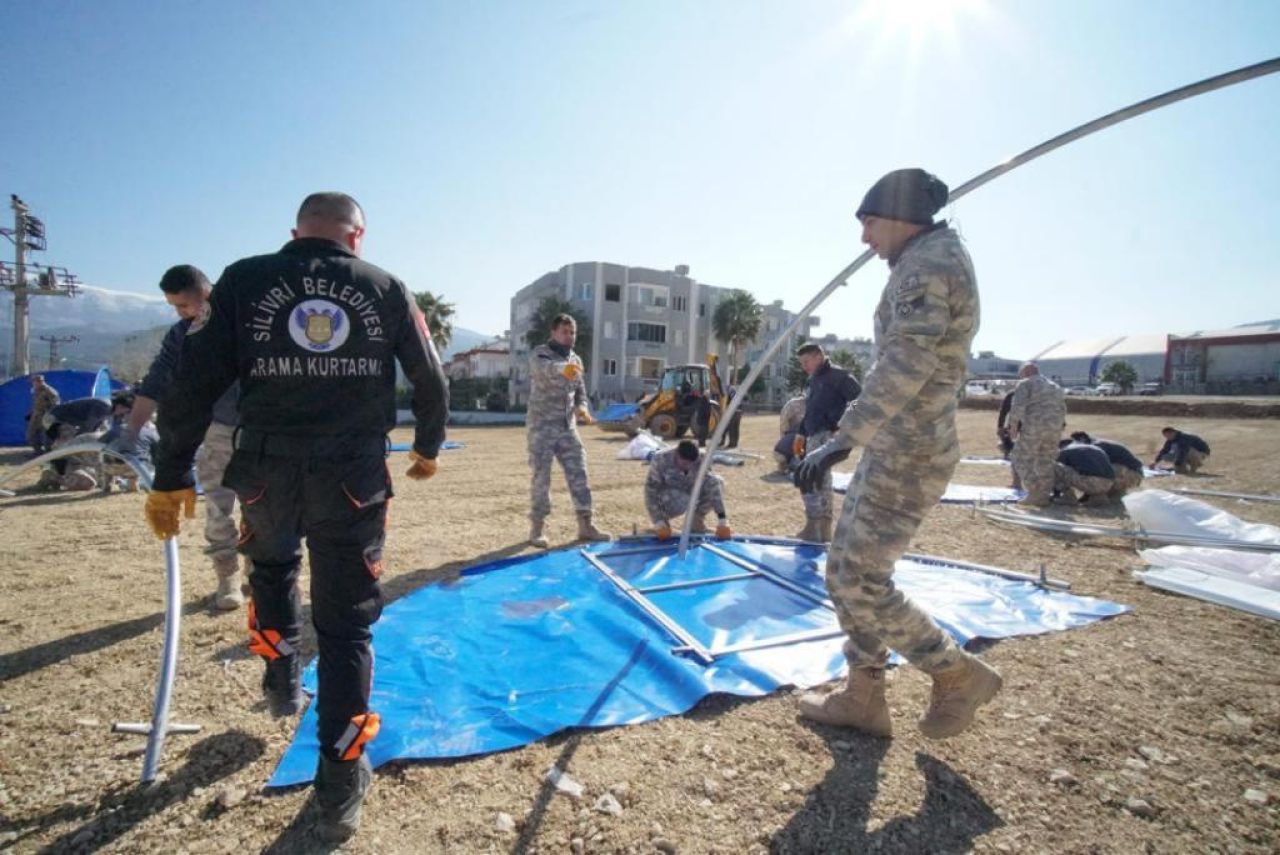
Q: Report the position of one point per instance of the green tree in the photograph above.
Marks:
(437, 313)
(796, 378)
(540, 326)
(1122, 374)
(737, 321)
(759, 387)
(849, 361)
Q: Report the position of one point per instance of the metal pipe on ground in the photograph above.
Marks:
(1173, 96)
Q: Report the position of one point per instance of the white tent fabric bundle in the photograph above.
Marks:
(1248, 581)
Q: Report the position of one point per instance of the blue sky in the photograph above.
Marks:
(490, 142)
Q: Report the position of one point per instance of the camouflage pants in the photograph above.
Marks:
(37, 437)
(673, 503)
(1034, 456)
(565, 446)
(1069, 481)
(818, 504)
(1127, 480)
(220, 528)
(887, 500)
(1195, 459)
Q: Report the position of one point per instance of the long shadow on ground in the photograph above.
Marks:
(835, 814)
(208, 761)
(21, 662)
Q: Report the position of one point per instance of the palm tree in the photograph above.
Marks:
(437, 313)
(737, 320)
(540, 326)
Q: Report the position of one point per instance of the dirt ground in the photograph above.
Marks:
(1155, 731)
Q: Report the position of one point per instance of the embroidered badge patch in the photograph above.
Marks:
(319, 326)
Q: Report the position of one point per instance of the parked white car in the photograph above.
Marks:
(971, 389)
(1109, 389)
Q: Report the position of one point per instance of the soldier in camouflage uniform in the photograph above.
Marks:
(667, 488)
(905, 419)
(1037, 415)
(557, 401)
(788, 424)
(43, 399)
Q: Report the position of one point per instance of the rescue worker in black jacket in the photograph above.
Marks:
(829, 393)
(313, 334)
(1185, 451)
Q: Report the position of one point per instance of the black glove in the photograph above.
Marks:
(818, 462)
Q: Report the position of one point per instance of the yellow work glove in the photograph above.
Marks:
(797, 446)
(422, 468)
(663, 531)
(571, 371)
(162, 510)
(723, 532)
(585, 417)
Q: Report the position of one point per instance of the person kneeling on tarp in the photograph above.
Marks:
(1127, 466)
(667, 490)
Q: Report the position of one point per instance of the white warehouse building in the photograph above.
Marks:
(1081, 363)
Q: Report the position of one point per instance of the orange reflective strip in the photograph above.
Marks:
(267, 643)
(360, 732)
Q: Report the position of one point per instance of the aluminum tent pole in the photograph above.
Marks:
(168, 661)
(1209, 84)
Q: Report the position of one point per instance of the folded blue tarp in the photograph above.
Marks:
(516, 650)
(617, 412)
(447, 445)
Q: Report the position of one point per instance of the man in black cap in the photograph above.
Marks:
(827, 395)
(905, 419)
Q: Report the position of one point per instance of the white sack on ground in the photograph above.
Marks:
(643, 446)
(1158, 510)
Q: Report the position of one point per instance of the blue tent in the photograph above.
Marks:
(15, 397)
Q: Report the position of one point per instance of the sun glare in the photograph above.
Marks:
(915, 19)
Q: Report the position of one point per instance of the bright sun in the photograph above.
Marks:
(916, 19)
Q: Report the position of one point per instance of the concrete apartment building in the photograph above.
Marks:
(642, 320)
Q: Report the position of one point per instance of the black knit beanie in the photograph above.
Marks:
(910, 195)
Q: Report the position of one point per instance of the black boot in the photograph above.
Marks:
(341, 786)
(282, 686)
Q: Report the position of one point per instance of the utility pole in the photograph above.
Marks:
(54, 341)
(28, 234)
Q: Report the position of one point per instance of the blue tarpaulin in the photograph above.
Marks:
(617, 412)
(447, 445)
(15, 397)
(515, 650)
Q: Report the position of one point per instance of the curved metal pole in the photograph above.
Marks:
(168, 661)
(1209, 84)
(94, 447)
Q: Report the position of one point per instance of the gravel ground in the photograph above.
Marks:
(1156, 731)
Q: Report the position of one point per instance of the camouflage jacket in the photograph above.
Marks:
(927, 316)
(665, 476)
(1038, 407)
(553, 397)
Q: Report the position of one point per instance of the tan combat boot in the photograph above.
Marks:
(812, 530)
(229, 596)
(699, 524)
(858, 704)
(536, 536)
(957, 693)
(587, 529)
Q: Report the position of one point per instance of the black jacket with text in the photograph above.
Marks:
(313, 334)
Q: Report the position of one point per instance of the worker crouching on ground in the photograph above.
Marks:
(1085, 470)
(669, 485)
(1184, 452)
(905, 419)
